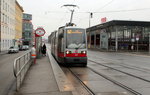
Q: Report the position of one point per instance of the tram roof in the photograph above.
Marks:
(120, 23)
(66, 27)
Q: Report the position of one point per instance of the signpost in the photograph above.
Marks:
(132, 47)
(39, 32)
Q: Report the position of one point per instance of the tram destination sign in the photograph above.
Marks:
(39, 32)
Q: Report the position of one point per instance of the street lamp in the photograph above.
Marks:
(149, 42)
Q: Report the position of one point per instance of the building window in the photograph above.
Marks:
(3, 43)
(120, 34)
(3, 5)
(6, 6)
(3, 18)
(113, 34)
(2, 28)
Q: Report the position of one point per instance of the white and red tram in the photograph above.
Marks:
(69, 45)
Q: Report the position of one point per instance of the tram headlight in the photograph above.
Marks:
(84, 52)
(68, 52)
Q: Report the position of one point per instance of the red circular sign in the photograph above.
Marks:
(39, 32)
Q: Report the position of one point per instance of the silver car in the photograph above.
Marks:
(13, 49)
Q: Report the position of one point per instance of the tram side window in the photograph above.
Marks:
(62, 45)
(61, 42)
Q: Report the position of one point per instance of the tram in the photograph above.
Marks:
(69, 45)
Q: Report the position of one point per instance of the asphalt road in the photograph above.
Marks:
(7, 78)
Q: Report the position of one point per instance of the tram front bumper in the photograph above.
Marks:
(76, 60)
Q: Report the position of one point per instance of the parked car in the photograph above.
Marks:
(13, 49)
(24, 47)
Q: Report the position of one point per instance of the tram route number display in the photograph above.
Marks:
(71, 31)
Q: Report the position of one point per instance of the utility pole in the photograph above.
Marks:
(0, 28)
(116, 40)
(137, 46)
(149, 42)
(90, 16)
(137, 39)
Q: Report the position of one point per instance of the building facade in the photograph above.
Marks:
(27, 29)
(7, 26)
(18, 27)
(120, 35)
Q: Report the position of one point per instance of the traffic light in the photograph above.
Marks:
(91, 14)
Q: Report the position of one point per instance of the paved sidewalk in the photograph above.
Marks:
(40, 80)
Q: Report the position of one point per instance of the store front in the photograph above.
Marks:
(120, 35)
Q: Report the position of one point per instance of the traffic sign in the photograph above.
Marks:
(137, 37)
(39, 32)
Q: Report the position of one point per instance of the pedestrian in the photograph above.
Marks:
(44, 50)
(33, 52)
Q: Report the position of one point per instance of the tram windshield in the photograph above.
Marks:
(75, 38)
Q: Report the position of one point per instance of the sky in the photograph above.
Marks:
(51, 15)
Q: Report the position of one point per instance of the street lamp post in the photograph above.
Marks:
(132, 47)
(90, 16)
(137, 46)
(137, 39)
(149, 42)
(116, 40)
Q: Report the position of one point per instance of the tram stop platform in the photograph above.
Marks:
(46, 78)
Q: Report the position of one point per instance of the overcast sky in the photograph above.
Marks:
(50, 14)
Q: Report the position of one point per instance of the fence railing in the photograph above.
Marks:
(20, 68)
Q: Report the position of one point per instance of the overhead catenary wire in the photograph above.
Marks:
(113, 11)
(102, 12)
(116, 11)
(129, 10)
(91, 16)
(106, 5)
(142, 9)
(62, 18)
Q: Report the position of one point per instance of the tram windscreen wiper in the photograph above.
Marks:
(78, 46)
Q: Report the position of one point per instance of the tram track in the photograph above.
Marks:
(128, 88)
(107, 78)
(121, 71)
(121, 63)
(117, 83)
(82, 83)
(88, 89)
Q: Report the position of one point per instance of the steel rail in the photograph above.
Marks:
(122, 72)
(117, 83)
(82, 83)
